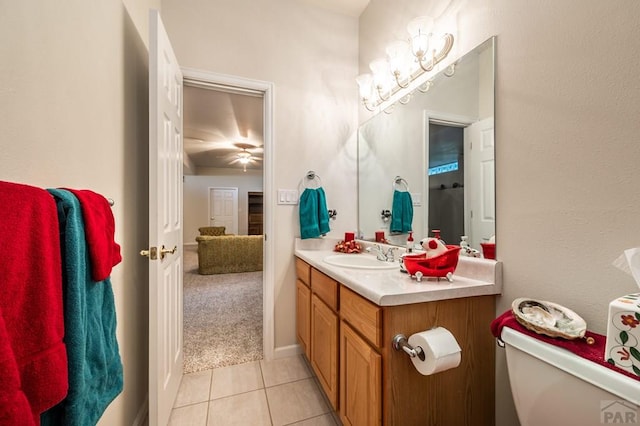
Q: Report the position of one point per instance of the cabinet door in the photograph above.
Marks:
(360, 380)
(324, 347)
(303, 316)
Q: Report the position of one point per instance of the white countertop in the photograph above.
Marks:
(390, 287)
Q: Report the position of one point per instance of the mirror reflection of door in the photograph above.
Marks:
(480, 219)
(223, 208)
(446, 181)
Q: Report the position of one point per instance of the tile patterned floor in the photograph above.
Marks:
(275, 393)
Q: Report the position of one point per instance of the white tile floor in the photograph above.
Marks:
(279, 392)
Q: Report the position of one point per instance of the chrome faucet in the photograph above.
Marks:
(389, 256)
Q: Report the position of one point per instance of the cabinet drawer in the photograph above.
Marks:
(363, 315)
(326, 288)
(303, 271)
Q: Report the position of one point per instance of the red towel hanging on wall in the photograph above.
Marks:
(100, 230)
(31, 298)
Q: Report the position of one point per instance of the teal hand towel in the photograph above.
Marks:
(323, 212)
(94, 364)
(308, 210)
(401, 212)
(314, 216)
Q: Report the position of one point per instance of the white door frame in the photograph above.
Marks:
(211, 80)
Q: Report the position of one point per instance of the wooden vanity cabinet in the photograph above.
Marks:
(303, 316)
(303, 306)
(324, 347)
(360, 380)
(379, 385)
(464, 395)
(317, 325)
(360, 360)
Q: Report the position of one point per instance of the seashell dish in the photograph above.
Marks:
(548, 318)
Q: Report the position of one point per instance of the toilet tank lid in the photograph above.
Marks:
(618, 384)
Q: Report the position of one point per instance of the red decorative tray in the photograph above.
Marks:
(441, 266)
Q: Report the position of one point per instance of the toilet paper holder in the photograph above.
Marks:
(400, 342)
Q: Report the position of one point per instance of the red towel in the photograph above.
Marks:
(594, 352)
(31, 298)
(14, 406)
(100, 229)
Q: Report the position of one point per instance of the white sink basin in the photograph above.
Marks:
(359, 261)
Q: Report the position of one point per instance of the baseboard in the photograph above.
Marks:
(143, 411)
(285, 351)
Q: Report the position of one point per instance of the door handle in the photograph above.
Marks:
(165, 251)
(152, 253)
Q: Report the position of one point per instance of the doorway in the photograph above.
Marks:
(446, 180)
(248, 164)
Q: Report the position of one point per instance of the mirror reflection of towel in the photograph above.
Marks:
(401, 212)
(314, 216)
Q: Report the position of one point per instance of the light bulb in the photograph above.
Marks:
(420, 31)
(365, 84)
(397, 54)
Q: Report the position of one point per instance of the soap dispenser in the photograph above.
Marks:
(410, 242)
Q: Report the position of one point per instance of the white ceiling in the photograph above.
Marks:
(346, 7)
(216, 120)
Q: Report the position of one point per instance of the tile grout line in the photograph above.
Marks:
(209, 398)
(266, 397)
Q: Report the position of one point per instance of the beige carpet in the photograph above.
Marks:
(222, 317)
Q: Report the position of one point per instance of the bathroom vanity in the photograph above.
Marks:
(347, 318)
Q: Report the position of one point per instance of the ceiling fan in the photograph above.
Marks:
(244, 157)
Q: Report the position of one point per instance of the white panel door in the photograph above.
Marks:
(479, 182)
(223, 208)
(165, 224)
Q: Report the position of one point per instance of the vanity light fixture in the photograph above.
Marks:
(405, 62)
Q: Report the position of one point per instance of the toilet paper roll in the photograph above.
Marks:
(440, 348)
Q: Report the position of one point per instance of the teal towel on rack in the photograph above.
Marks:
(94, 364)
(323, 213)
(308, 207)
(314, 216)
(401, 212)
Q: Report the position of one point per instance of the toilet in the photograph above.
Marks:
(552, 386)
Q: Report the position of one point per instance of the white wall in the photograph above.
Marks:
(311, 57)
(196, 198)
(567, 144)
(74, 113)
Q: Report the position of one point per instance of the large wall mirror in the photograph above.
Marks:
(439, 148)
